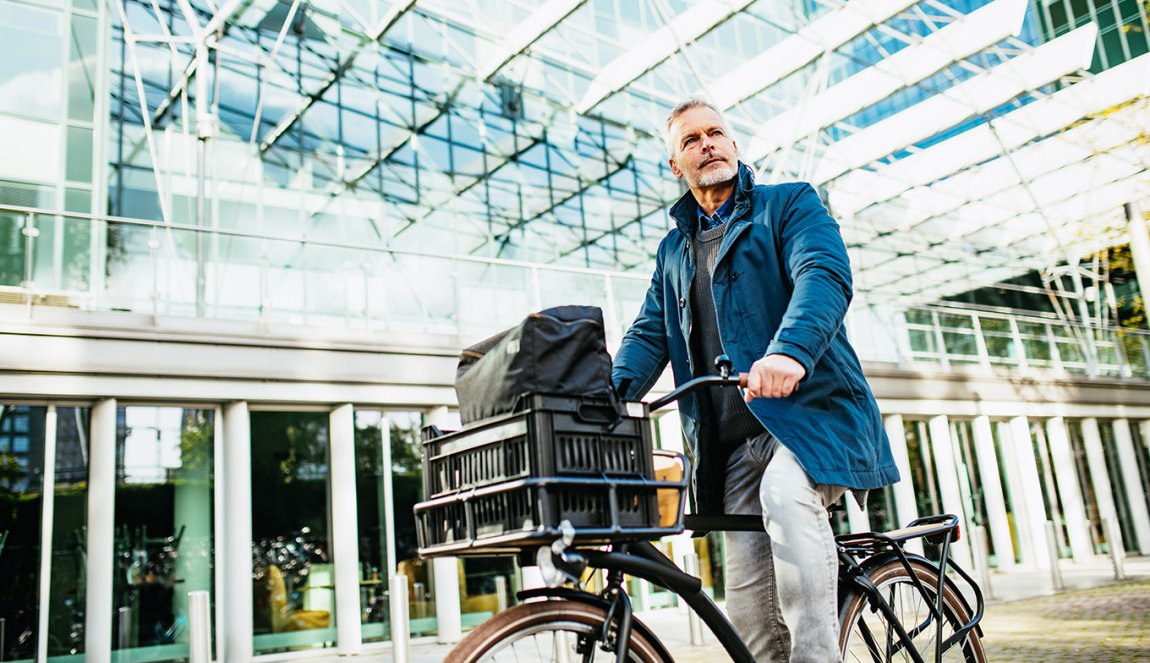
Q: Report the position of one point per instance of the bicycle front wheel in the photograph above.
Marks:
(867, 635)
(551, 632)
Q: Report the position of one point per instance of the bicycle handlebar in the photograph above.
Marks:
(730, 380)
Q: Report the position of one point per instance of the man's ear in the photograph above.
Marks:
(736, 146)
(675, 170)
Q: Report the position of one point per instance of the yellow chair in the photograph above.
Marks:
(284, 619)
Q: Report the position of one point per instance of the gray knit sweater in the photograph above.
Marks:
(735, 421)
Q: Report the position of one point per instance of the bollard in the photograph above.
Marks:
(124, 627)
(420, 592)
(500, 594)
(982, 554)
(691, 567)
(1052, 546)
(400, 623)
(199, 627)
(1117, 551)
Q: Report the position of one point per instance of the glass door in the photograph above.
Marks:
(22, 438)
(293, 576)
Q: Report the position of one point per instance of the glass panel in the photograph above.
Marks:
(11, 249)
(407, 484)
(292, 571)
(923, 478)
(69, 531)
(82, 69)
(79, 159)
(1051, 498)
(164, 506)
(30, 60)
(371, 501)
(21, 504)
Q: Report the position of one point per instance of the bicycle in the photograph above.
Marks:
(893, 605)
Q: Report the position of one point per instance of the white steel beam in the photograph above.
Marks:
(966, 36)
(685, 28)
(822, 35)
(526, 33)
(1043, 117)
(1097, 139)
(1065, 55)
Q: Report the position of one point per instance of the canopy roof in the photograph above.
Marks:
(955, 149)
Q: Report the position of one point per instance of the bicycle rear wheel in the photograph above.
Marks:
(867, 636)
(551, 632)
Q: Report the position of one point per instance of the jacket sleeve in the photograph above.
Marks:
(643, 353)
(816, 264)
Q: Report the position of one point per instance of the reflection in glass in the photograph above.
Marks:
(66, 594)
(292, 572)
(163, 530)
(370, 504)
(21, 503)
(407, 487)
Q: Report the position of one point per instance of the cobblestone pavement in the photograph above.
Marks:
(1108, 624)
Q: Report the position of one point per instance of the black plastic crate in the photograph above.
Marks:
(507, 517)
(549, 436)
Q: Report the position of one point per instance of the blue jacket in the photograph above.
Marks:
(782, 284)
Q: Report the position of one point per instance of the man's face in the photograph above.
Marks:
(705, 155)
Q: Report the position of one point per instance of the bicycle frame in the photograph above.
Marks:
(858, 553)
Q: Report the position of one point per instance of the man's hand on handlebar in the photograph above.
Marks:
(773, 376)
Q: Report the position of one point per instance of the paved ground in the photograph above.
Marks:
(1095, 620)
(1103, 625)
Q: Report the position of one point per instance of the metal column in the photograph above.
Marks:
(997, 525)
(1065, 473)
(951, 493)
(1128, 468)
(1096, 462)
(238, 639)
(345, 531)
(101, 534)
(905, 506)
(1034, 509)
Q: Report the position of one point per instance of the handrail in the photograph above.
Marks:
(35, 211)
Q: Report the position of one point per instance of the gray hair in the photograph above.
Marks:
(693, 101)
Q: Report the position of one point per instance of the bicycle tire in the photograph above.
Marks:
(503, 636)
(894, 582)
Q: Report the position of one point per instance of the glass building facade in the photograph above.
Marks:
(241, 243)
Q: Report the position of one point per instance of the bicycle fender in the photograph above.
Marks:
(568, 594)
(884, 558)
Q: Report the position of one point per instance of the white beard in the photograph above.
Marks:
(716, 176)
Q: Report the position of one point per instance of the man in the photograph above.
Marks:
(760, 273)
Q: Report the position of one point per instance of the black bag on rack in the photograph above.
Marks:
(561, 350)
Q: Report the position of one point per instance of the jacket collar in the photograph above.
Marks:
(685, 212)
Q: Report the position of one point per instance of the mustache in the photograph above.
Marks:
(712, 158)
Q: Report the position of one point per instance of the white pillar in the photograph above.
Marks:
(998, 526)
(101, 532)
(47, 518)
(950, 492)
(1017, 497)
(856, 517)
(239, 643)
(1096, 463)
(905, 506)
(445, 570)
(345, 531)
(1128, 467)
(1031, 485)
(1066, 474)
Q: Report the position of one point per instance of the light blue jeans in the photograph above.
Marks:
(782, 586)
